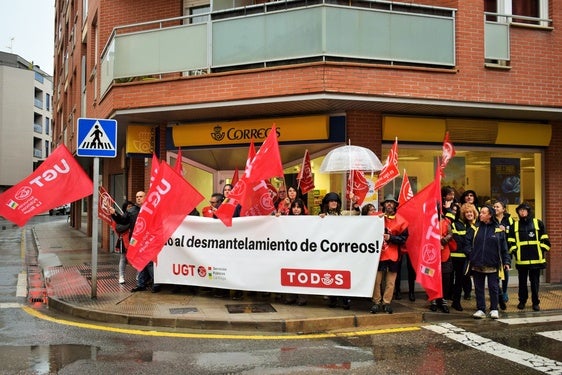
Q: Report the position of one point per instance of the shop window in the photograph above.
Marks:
(513, 175)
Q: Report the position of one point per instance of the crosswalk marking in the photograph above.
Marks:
(9, 305)
(555, 335)
(530, 320)
(483, 344)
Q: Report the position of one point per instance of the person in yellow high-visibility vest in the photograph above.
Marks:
(528, 242)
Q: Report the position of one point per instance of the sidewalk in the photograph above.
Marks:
(65, 256)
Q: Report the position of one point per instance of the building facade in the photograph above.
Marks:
(25, 118)
(210, 77)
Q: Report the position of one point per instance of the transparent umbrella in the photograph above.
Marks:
(350, 158)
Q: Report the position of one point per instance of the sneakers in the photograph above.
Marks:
(138, 289)
(494, 314)
(536, 308)
(387, 309)
(521, 305)
(375, 308)
(121, 280)
(433, 306)
(479, 314)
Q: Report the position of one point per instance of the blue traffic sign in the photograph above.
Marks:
(97, 138)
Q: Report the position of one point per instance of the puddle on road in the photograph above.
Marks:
(43, 359)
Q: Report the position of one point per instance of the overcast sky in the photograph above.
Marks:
(31, 25)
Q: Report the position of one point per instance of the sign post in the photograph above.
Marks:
(96, 138)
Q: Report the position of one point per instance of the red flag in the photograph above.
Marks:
(424, 240)
(305, 178)
(406, 192)
(154, 169)
(169, 200)
(59, 180)
(267, 162)
(358, 185)
(390, 169)
(178, 165)
(234, 178)
(448, 152)
(105, 202)
(264, 165)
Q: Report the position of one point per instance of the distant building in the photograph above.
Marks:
(26, 113)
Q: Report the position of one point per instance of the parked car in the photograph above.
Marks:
(61, 210)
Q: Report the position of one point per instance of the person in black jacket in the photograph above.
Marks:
(529, 242)
(488, 258)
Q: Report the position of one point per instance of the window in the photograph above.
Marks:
(200, 14)
(534, 11)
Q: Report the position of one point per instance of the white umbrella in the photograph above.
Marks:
(350, 158)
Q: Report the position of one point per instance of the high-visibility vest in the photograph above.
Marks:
(516, 244)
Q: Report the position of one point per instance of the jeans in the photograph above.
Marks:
(146, 275)
(479, 289)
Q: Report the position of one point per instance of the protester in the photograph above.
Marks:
(214, 204)
(395, 236)
(505, 223)
(297, 208)
(447, 242)
(463, 217)
(331, 206)
(528, 242)
(122, 242)
(488, 258)
(146, 275)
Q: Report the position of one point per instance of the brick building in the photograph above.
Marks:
(201, 76)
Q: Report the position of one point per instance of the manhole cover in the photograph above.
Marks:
(183, 310)
(250, 308)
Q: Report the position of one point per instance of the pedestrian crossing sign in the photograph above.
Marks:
(97, 138)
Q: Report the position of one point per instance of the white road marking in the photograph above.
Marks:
(9, 305)
(483, 344)
(556, 335)
(530, 320)
(21, 289)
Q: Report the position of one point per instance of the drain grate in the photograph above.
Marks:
(250, 308)
(183, 310)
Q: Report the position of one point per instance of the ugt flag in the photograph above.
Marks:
(305, 178)
(169, 200)
(105, 202)
(424, 240)
(390, 169)
(358, 186)
(59, 180)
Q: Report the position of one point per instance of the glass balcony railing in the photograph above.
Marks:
(37, 153)
(38, 103)
(37, 128)
(283, 32)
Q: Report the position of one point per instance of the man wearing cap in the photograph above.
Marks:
(395, 235)
(529, 242)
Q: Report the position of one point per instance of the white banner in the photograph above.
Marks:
(334, 255)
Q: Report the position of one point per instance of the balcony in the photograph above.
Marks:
(497, 36)
(281, 33)
(37, 153)
(37, 128)
(38, 103)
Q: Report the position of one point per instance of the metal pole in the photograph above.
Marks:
(95, 228)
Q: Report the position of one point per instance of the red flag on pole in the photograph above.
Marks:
(264, 165)
(305, 178)
(448, 153)
(234, 178)
(390, 169)
(178, 165)
(358, 185)
(105, 202)
(424, 240)
(57, 181)
(406, 192)
(169, 200)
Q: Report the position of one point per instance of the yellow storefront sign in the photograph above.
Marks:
(289, 129)
(140, 139)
